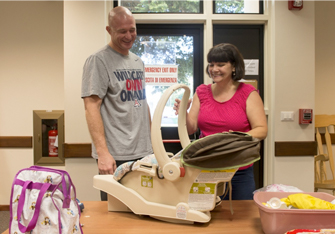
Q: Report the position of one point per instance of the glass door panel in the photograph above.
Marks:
(168, 60)
(172, 53)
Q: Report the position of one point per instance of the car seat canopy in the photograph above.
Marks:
(222, 151)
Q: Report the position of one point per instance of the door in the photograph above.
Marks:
(249, 39)
(175, 46)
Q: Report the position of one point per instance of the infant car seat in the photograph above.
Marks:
(182, 188)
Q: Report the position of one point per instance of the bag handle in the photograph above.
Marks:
(66, 190)
(33, 221)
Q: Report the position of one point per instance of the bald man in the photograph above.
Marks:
(113, 90)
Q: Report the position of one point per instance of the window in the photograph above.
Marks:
(168, 60)
(160, 6)
(238, 7)
(171, 54)
(179, 45)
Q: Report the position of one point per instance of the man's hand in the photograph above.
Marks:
(106, 164)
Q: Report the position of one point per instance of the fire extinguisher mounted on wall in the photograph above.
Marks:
(52, 136)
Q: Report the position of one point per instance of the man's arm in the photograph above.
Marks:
(149, 117)
(106, 162)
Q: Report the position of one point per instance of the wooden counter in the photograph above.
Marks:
(97, 220)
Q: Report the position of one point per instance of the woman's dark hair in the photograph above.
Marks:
(226, 52)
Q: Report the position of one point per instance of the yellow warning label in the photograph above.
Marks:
(203, 188)
(147, 181)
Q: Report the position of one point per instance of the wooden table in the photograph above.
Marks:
(97, 220)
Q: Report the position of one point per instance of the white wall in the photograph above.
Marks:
(84, 33)
(31, 76)
(293, 82)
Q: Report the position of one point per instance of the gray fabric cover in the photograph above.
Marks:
(222, 151)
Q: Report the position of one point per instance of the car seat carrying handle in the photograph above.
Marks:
(171, 170)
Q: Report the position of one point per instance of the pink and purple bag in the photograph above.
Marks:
(43, 200)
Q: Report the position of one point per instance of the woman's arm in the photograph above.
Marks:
(256, 116)
(192, 115)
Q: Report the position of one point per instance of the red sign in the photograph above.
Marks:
(161, 74)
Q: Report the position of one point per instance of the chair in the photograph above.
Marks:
(323, 177)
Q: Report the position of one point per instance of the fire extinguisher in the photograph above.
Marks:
(53, 150)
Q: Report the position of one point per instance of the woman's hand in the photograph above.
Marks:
(177, 105)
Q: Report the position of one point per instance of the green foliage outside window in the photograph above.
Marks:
(183, 55)
(159, 6)
(182, 6)
(229, 6)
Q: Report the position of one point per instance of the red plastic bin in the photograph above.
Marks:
(279, 221)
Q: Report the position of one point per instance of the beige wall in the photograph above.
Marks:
(324, 57)
(31, 76)
(41, 66)
(84, 34)
(293, 88)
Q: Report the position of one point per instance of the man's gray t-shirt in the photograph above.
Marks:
(119, 81)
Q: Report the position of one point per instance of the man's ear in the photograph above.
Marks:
(108, 29)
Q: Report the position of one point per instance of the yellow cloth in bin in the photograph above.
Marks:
(305, 201)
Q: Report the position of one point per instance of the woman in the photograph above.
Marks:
(228, 105)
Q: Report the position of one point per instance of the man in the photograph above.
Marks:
(113, 89)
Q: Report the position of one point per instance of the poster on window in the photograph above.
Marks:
(161, 74)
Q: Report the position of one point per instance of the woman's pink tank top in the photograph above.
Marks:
(215, 117)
